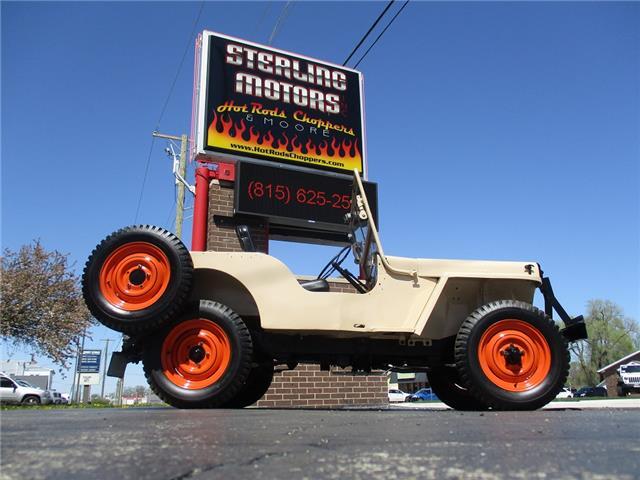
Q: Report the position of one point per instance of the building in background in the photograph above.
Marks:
(29, 371)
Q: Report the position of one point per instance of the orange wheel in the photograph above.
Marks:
(202, 359)
(514, 355)
(137, 279)
(511, 356)
(195, 354)
(134, 276)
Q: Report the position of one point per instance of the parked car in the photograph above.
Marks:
(565, 393)
(397, 395)
(57, 398)
(423, 394)
(19, 391)
(591, 392)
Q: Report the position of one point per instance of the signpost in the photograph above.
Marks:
(254, 101)
(294, 128)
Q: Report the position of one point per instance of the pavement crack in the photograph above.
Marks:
(264, 456)
(196, 471)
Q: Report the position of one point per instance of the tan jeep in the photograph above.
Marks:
(209, 327)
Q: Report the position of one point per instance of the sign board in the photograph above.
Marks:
(257, 102)
(298, 198)
(90, 361)
(88, 378)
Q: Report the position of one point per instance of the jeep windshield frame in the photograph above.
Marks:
(365, 240)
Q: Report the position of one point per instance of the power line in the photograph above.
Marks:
(381, 33)
(164, 108)
(144, 179)
(265, 12)
(368, 31)
(184, 55)
(276, 27)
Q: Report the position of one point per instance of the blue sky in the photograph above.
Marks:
(495, 130)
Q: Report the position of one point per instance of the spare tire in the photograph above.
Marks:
(137, 279)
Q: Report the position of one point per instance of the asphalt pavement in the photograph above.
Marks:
(389, 443)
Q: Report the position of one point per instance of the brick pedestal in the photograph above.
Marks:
(307, 385)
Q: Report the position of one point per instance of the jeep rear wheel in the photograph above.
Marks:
(137, 279)
(201, 360)
(511, 356)
(445, 383)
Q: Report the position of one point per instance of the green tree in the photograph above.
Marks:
(41, 306)
(611, 336)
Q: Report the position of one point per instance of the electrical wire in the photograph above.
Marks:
(265, 12)
(381, 33)
(368, 31)
(184, 56)
(164, 108)
(171, 214)
(279, 22)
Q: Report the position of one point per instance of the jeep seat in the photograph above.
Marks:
(317, 285)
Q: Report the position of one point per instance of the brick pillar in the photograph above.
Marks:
(221, 235)
(307, 385)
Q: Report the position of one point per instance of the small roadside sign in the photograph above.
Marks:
(90, 361)
(88, 378)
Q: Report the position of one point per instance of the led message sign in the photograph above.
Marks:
(298, 198)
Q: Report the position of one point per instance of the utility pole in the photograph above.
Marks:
(104, 370)
(76, 379)
(76, 374)
(179, 171)
(120, 383)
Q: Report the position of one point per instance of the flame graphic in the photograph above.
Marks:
(225, 133)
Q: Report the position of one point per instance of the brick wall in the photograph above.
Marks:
(307, 385)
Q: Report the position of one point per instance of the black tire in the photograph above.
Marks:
(230, 379)
(257, 383)
(445, 383)
(163, 273)
(546, 382)
(31, 400)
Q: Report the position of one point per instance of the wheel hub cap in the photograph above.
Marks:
(512, 355)
(196, 354)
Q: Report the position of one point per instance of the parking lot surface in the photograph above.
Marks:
(165, 443)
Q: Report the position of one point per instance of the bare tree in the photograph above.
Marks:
(41, 305)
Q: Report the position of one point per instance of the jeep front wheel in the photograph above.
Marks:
(201, 360)
(511, 356)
